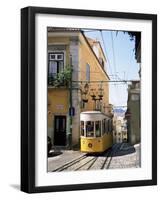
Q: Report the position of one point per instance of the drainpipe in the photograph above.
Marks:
(70, 106)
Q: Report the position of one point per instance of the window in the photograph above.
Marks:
(56, 56)
(107, 126)
(87, 72)
(90, 129)
(110, 126)
(56, 63)
(82, 128)
(98, 128)
(104, 126)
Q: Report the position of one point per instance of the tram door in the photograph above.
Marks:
(60, 130)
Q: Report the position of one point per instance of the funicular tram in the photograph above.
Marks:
(95, 132)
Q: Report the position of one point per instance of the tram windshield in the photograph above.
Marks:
(90, 129)
(98, 128)
(82, 128)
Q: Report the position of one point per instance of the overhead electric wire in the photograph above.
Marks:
(119, 81)
(103, 41)
(106, 52)
(129, 68)
(116, 77)
(116, 90)
(114, 59)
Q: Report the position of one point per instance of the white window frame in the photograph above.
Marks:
(56, 56)
(58, 51)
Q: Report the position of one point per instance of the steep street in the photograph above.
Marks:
(120, 155)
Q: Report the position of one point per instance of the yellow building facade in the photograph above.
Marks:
(88, 88)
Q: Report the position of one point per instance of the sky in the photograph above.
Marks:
(121, 62)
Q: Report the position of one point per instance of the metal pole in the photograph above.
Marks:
(70, 106)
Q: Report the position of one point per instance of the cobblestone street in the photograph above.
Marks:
(119, 156)
(126, 157)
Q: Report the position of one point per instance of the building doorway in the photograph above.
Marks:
(60, 130)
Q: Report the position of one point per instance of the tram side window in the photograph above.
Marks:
(104, 126)
(82, 128)
(90, 129)
(110, 126)
(98, 128)
(107, 126)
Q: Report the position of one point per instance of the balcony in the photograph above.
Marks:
(61, 79)
(55, 81)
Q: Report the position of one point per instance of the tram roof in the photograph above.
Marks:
(92, 112)
(92, 115)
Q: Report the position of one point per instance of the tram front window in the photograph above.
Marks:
(82, 128)
(98, 128)
(90, 129)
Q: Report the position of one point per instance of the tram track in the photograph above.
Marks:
(90, 161)
(112, 153)
(87, 165)
(69, 164)
(106, 159)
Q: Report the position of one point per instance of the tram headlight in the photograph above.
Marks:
(90, 145)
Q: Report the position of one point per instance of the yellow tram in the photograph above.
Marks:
(96, 132)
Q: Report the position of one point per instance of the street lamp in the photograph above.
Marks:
(100, 93)
(97, 96)
(84, 93)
